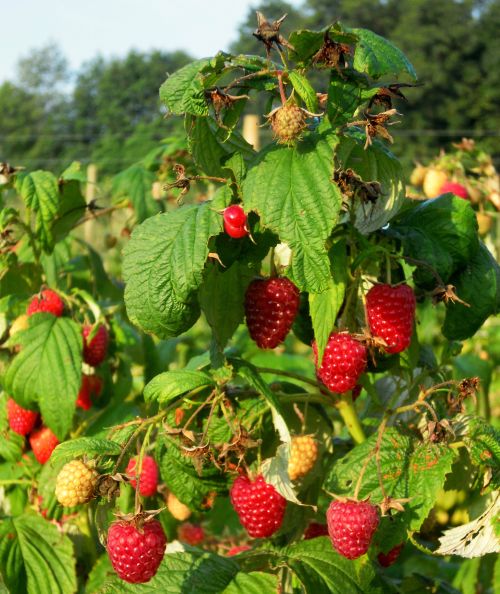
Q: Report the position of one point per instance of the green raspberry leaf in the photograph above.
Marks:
(320, 569)
(221, 298)
(211, 145)
(36, 557)
(183, 91)
(163, 266)
(90, 446)
(441, 232)
(40, 193)
(409, 468)
(304, 90)
(170, 384)
(478, 284)
(47, 370)
(184, 570)
(378, 57)
(292, 191)
(324, 307)
(193, 485)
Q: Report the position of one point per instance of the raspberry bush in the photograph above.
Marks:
(282, 347)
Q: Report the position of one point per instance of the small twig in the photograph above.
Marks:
(424, 264)
(378, 445)
(361, 474)
(237, 81)
(202, 405)
(125, 448)
(138, 469)
(281, 87)
(209, 419)
(291, 374)
(100, 213)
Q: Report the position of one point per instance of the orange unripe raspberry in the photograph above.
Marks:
(180, 511)
(303, 456)
(75, 483)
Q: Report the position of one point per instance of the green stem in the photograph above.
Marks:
(483, 404)
(138, 467)
(350, 418)
(15, 482)
(291, 374)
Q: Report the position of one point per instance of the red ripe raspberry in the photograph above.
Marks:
(387, 559)
(21, 420)
(84, 399)
(192, 534)
(344, 360)
(95, 350)
(136, 553)
(391, 312)
(456, 189)
(270, 308)
(237, 549)
(47, 301)
(351, 525)
(259, 506)
(148, 481)
(314, 530)
(43, 443)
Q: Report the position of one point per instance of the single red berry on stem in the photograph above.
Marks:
(191, 534)
(391, 313)
(270, 308)
(136, 552)
(148, 482)
(235, 221)
(235, 215)
(344, 360)
(47, 301)
(95, 349)
(388, 559)
(455, 188)
(258, 505)
(21, 420)
(43, 443)
(351, 526)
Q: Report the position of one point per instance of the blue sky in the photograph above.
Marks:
(86, 28)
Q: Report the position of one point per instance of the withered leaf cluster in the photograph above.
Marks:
(269, 34)
(385, 95)
(376, 124)
(351, 185)
(221, 100)
(332, 53)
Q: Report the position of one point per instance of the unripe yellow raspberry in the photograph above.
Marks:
(287, 122)
(304, 452)
(180, 511)
(75, 483)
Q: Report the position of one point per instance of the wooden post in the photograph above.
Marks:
(251, 130)
(90, 193)
(157, 190)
